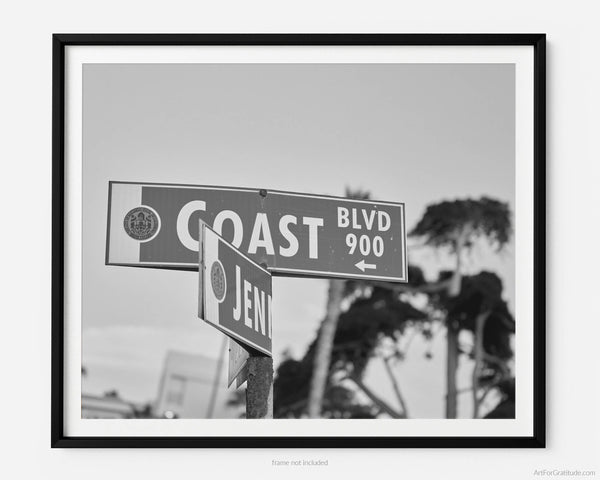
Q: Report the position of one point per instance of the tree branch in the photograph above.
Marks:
(399, 396)
(403, 288)
(489, 388)
(496, 361)
(374, 398)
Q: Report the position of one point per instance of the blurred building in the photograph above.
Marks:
(189, 388)
(110, 405)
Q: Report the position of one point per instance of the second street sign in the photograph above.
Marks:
(156, 225)
(235, 293)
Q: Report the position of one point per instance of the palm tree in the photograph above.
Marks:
(324, 345)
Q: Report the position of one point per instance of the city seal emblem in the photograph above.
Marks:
(142, 223)
(218, 281)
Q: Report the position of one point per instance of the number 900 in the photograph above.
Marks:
(364, 244)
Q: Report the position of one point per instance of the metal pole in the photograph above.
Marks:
(259, 392)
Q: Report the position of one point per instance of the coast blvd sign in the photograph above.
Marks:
(235, 294)
(156, 225)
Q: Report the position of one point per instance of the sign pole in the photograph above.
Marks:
(259, 391)
(244, 317)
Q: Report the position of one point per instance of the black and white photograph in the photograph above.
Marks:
(439, 139)
(305, 236)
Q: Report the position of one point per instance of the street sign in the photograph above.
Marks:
(156, 225)
(235, 293)
(238, 357)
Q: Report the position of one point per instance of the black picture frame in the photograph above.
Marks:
(59, 44)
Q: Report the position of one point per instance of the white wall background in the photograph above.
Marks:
(573, 312)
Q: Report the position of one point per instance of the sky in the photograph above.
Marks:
(417, 134)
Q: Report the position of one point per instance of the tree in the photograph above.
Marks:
(458, 225)
(326, 380)
(480, 310)
(375, 314)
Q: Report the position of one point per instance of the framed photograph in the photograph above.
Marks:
(330, 240)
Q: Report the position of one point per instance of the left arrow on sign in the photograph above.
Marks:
(362, 265)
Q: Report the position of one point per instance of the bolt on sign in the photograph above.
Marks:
(156, 225)
(235, 293)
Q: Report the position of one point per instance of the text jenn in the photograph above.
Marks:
(259, 305)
